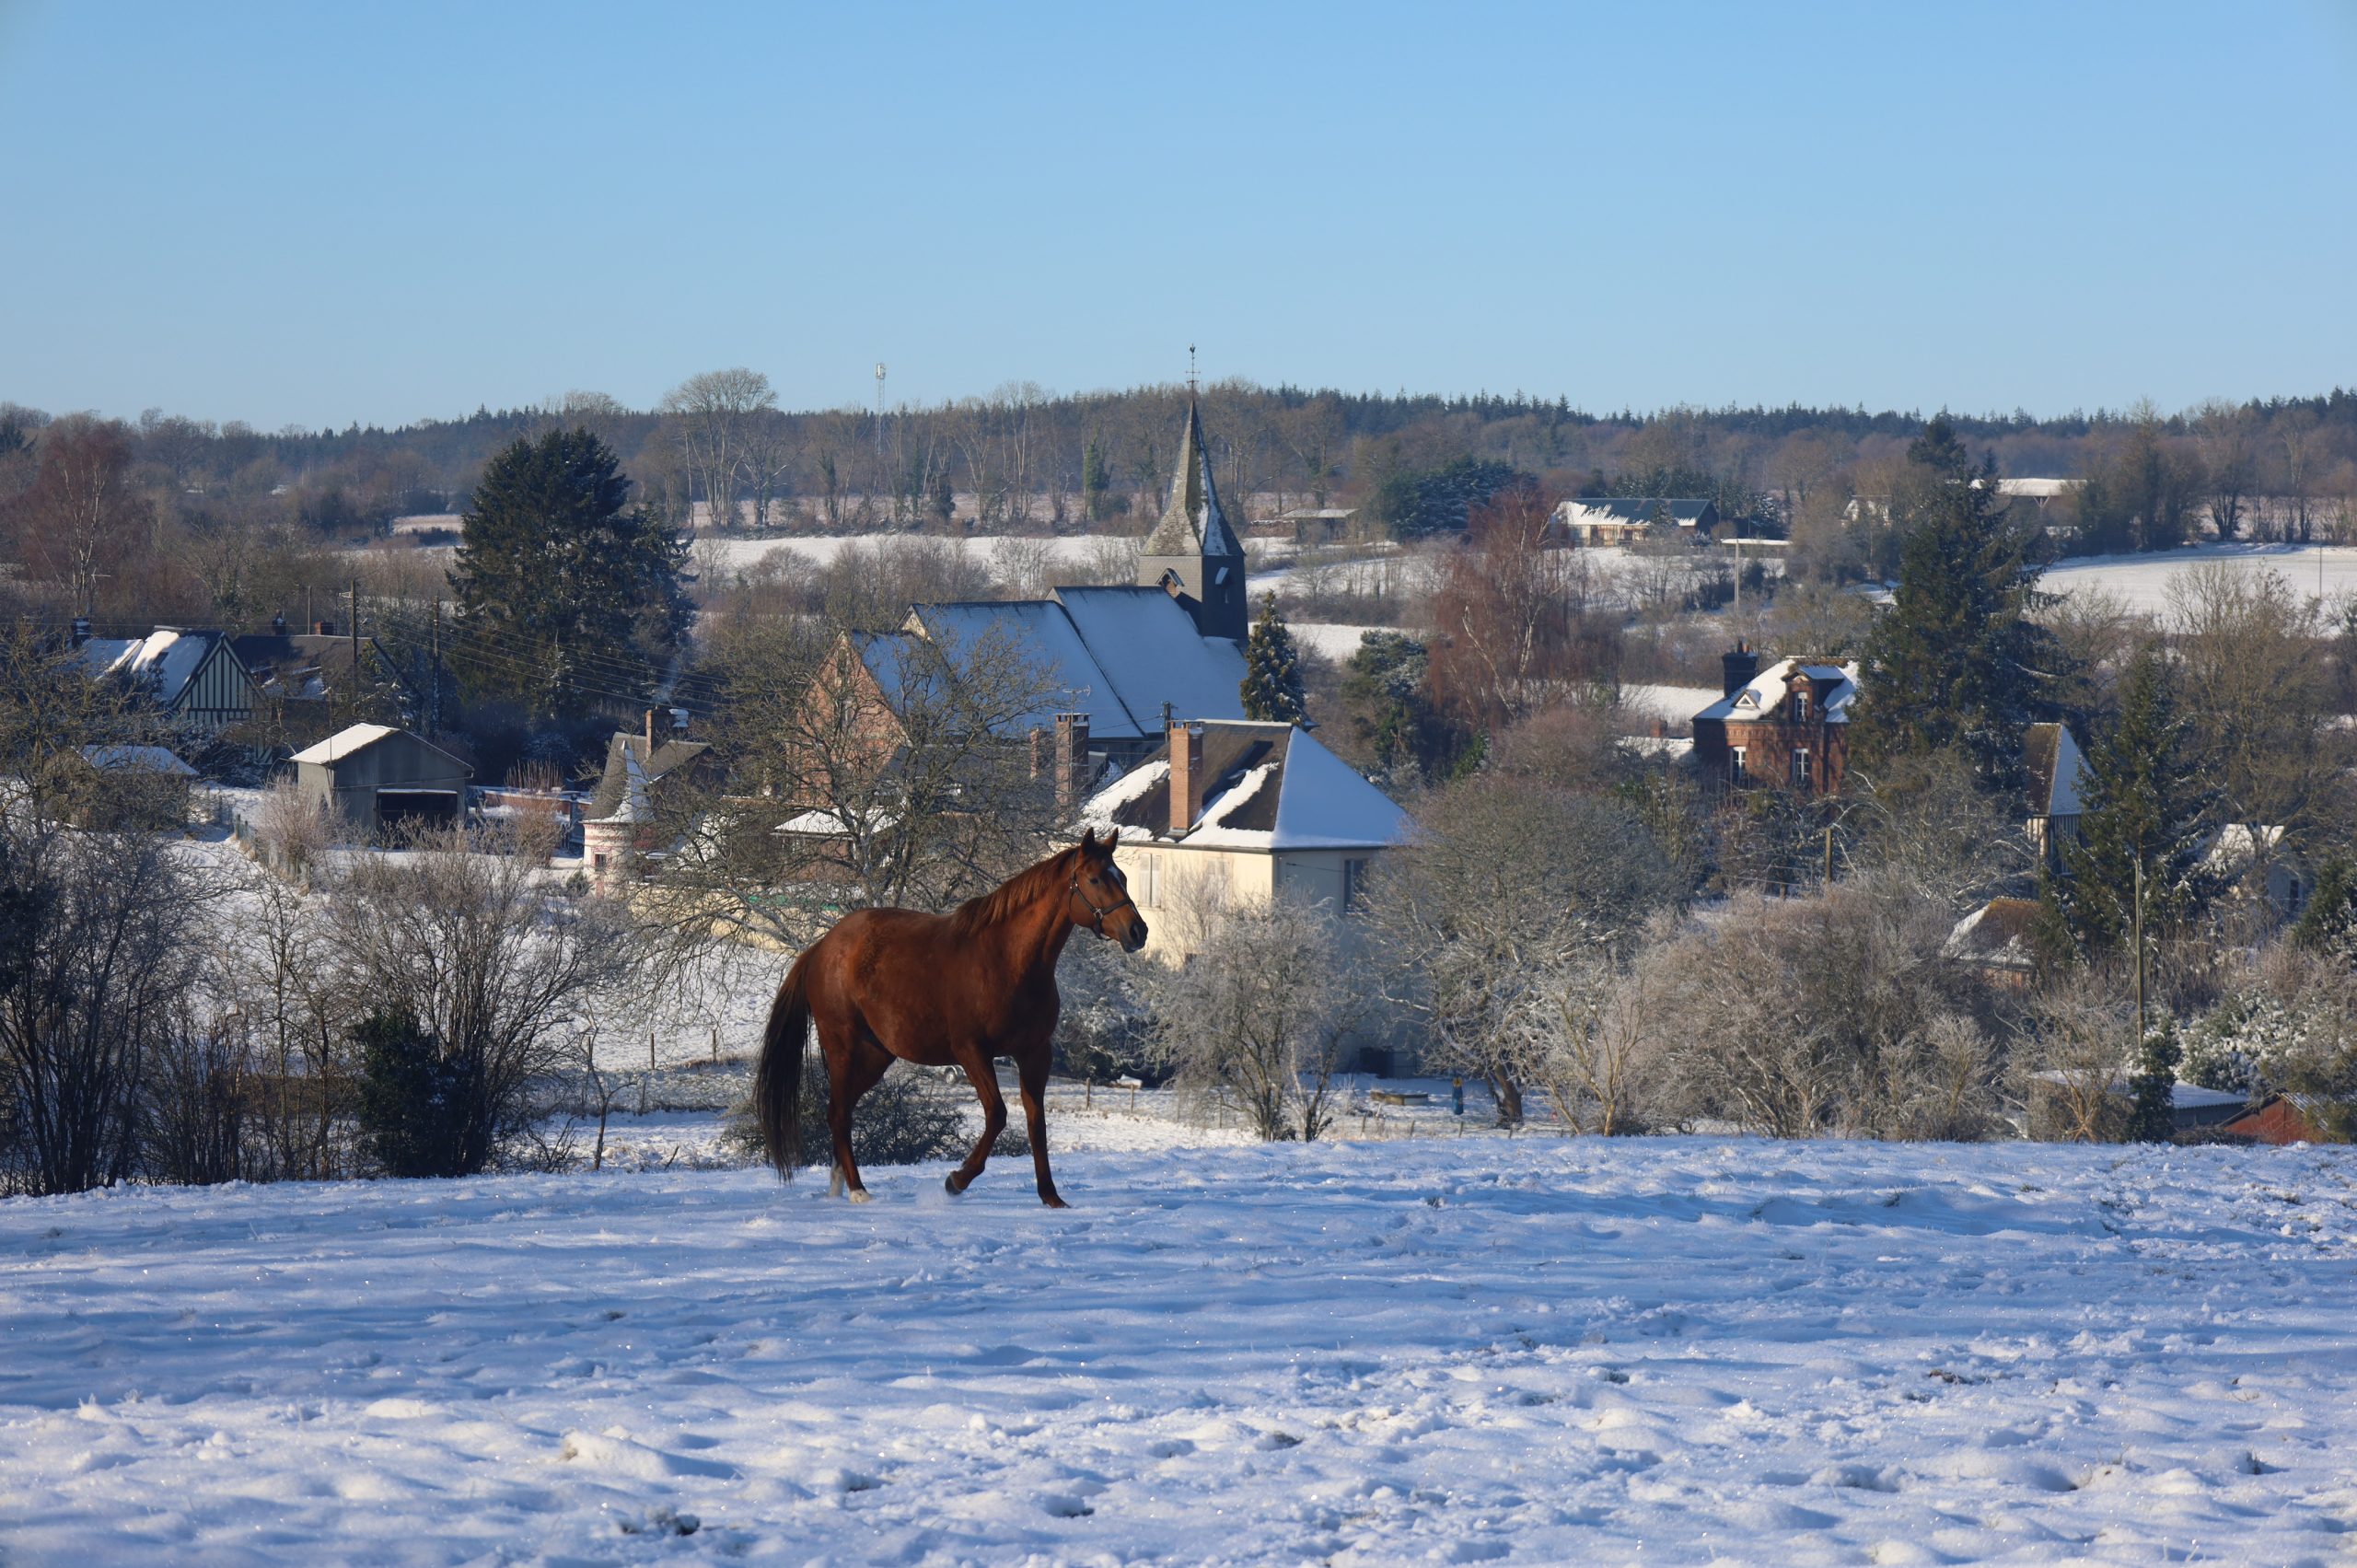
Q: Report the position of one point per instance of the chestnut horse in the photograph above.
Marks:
(940, 990)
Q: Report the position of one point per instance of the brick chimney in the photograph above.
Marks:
(1186, 775)
(650, 732)
(323, 628)
(1738, 667)
(1072, 758)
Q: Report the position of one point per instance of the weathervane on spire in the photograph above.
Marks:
(1191, 370)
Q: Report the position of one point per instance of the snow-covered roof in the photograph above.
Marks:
(633, 806)
(167, 659)
(1996, 935)
(2053, 762)
(1266, 787)
(159, 760)
(828, 824)
(344, 742)
(1837, 688)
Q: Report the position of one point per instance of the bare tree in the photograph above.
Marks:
(80, 520)
(2254, 679)
(2079, 1037)
(1258, 1011)
(1506, 881)
(717, 425)
(490, 963)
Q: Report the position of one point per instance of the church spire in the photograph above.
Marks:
(1194, 522)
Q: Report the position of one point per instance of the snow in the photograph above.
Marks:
(1767, 690)
(343, 743)
(1675, 704)
(138, 759)
(1669, 1349)
(1331, 639)
(2142, 582)
(1325, 804)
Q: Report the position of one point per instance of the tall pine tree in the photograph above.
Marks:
(1954, 665)
(2144, 803)
(1272, 689)
(574, 593)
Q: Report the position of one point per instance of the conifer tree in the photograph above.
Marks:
(573, 593)
(2153, 1087)
(1954, 663)
(2145, 805)
(1271, 688)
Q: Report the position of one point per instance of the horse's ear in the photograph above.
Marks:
(1089, 841)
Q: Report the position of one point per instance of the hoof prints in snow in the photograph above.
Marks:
(1535, 1352)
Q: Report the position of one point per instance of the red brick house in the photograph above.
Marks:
(2284, 1119)
(1787, 724)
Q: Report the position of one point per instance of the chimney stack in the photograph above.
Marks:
(323, 628)
(1737, 668)
(650, 732)
(1186, 775)
(1072, 758)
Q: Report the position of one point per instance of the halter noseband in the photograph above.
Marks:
(1097, 922)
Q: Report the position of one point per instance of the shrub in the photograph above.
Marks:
(420, 1112)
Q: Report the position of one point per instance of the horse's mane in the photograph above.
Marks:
(1008, 900)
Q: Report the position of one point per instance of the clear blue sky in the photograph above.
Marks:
(322, 213)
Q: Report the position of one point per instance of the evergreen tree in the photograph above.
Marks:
(1271, 690)
(1954, 663)
(2145, 805)
(574, 593)
(2152, 1087)
(1940, 450)
(1095, 480)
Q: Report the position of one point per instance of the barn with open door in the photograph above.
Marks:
(381, 780)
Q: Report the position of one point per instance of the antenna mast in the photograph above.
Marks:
(879, 406)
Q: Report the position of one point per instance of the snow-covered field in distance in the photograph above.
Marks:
(1665, 1350)
(2142, 581)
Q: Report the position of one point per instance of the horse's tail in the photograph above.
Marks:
(777, 1079)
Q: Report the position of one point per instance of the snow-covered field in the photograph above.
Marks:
(1657, 1350)
(2142, 582)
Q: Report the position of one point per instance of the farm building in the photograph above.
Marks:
(2285, 1119)
(375, 778)
(1242, 811)
(195, 678)
(1603, 521)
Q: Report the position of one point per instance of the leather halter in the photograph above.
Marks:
(1098, 924)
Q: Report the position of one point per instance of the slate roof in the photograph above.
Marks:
(306, 667)
(626, 749)
(1684, 511)
(1837, 686)
(1194, 522)
(1264, 787)
(1116, 654)
(2052, 760)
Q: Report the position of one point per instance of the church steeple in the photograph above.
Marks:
(1192, 550)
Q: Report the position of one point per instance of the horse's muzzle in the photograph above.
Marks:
(1134, 935)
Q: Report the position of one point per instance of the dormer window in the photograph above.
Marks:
(1800, 704)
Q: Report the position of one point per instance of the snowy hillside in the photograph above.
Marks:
(1671, 1350)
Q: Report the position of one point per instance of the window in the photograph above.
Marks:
(1800, 704)
(1146, 887)
(1800, 767)
(1735, 764)
(1354, 884)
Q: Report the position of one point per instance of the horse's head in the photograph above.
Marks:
(1100, 894)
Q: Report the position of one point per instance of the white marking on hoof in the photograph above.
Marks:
(862, 1195)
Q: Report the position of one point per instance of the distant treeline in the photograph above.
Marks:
(1022, 458)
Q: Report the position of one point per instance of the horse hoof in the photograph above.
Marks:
(1052, 1201)
(955, 1187)
(862, 1195)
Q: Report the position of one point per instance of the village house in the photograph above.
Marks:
(1229, 810)
(618, 827)
(195, 678)
(308, 677)
(2052, 765)
(1604, 520)
(1787, 724)
(377, 778)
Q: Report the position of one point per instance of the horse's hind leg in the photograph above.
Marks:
(853, 1069)
(984, 1077)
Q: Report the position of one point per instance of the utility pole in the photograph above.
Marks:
(1828, 857)
(355, 642)
(434, 674)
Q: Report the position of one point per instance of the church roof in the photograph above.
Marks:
(1193, 523)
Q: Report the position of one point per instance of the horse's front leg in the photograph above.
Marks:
(984, 1077)
(1031, 1074)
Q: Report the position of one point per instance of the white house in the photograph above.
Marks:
(1234, 810)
